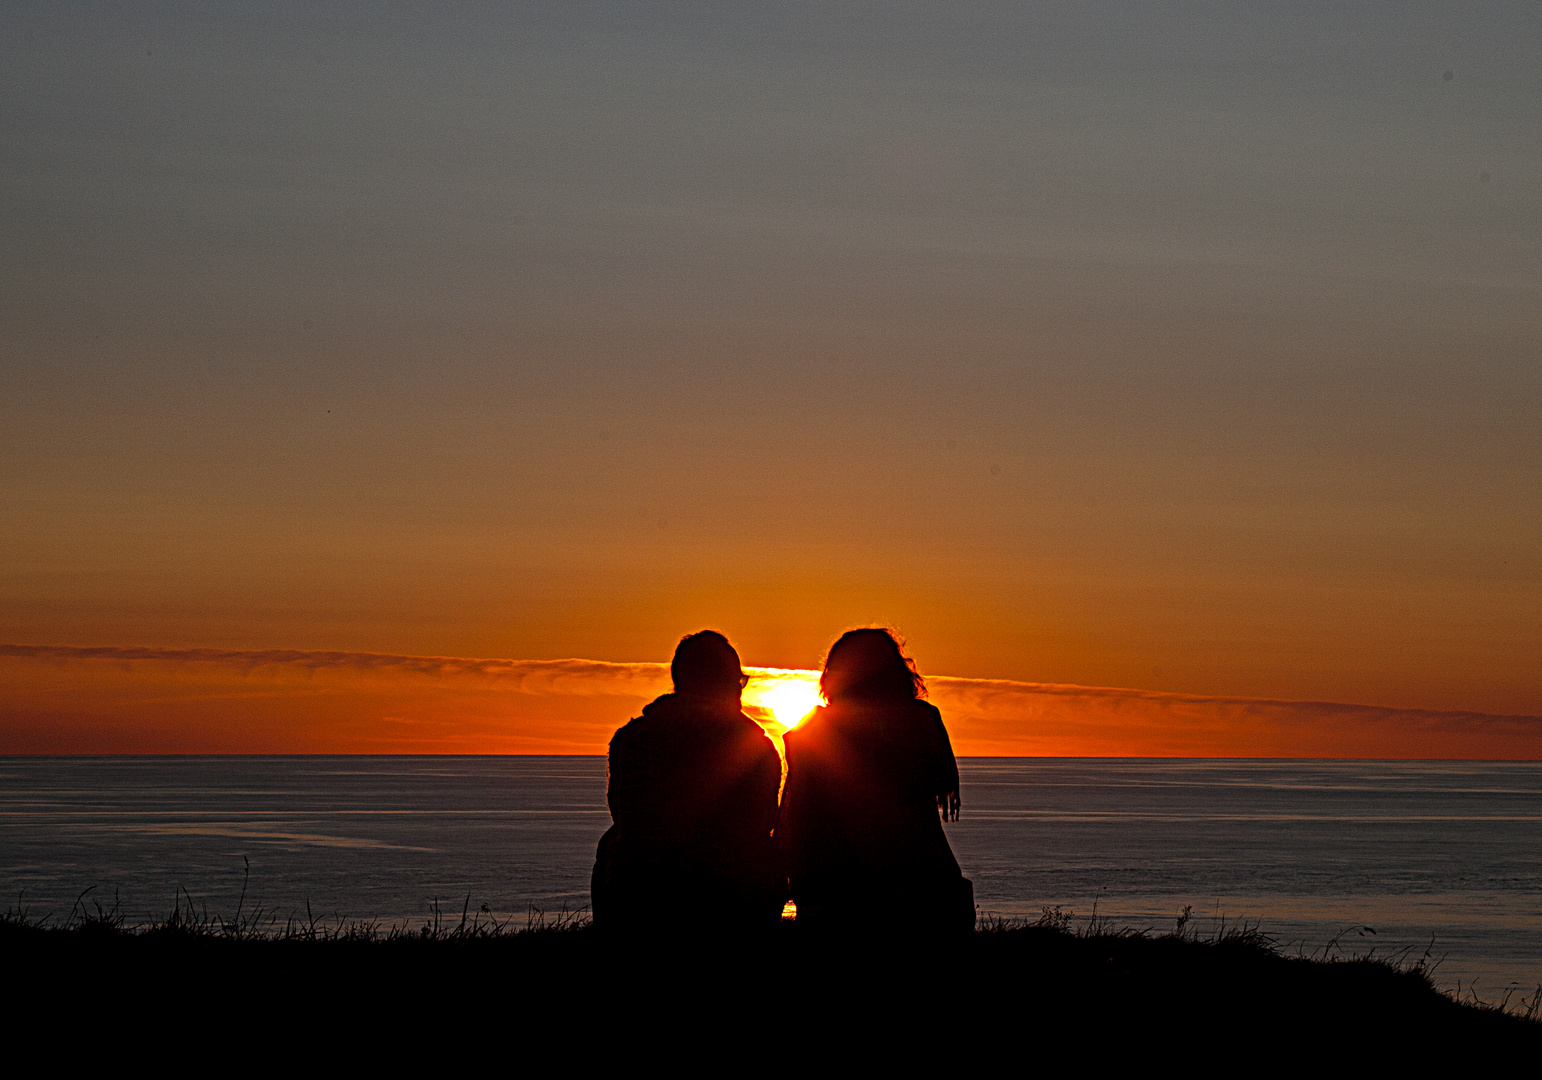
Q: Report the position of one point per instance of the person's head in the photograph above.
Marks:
(869, 665)
(706, 666)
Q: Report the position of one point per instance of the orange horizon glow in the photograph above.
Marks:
(109, 700)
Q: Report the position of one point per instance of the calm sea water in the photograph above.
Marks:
(1315, 852)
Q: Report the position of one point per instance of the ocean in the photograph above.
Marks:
(1328, 857)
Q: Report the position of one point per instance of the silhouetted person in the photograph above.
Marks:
(692, 791)
(869, 778)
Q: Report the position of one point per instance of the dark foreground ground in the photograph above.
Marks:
(202, 993)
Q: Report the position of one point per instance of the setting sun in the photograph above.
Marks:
(791, 699)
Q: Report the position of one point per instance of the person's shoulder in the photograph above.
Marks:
(625, 735)
(928, 710)
(815, 721)
(742, 723)
(914, 719)
(813, 730)
(640, 727)
(751, 732)
(929, 716)
(796, 735)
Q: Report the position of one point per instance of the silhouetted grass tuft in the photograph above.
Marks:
(1245, 947)
(1060, 973)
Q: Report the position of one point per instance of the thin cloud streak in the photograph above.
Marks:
(985, 716)
(1000, 696)
(572, 677)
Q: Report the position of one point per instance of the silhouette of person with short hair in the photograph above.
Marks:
(692, 792)
(870, 777)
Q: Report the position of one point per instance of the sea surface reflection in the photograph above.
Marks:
(1314, 851)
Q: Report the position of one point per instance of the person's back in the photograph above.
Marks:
(693, 796)
(860, 825)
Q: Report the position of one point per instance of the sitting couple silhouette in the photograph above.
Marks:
(699, 838)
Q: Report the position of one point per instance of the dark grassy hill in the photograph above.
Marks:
(206, 987)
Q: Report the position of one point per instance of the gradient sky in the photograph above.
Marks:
(1188, 347)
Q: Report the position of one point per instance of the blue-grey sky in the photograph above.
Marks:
(1188, 346)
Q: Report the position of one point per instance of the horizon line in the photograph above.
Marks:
(431, 665)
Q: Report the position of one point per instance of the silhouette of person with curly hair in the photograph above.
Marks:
(870, 778)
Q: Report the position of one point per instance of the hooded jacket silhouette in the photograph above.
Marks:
(693, 797)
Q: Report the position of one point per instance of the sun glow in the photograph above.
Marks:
(790, 699)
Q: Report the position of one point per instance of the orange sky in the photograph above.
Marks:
(116, 700)
(1191, 350)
